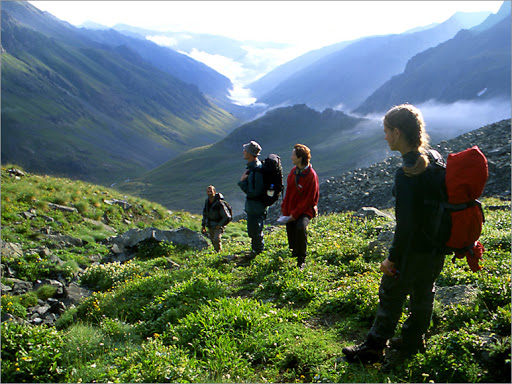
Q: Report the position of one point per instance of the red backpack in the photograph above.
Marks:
(455, 216)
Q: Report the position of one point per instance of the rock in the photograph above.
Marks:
(122, 203)
(457, 294)
(62, 207)
(99, 224)
(65, 241)
(19, 287)
(15, 172)
(11, 250)
(374, 212)
(75, 294)
(181, 236)
(56, 306)
(29, 214)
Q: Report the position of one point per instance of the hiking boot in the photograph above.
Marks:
(252, 255)
(364, 352)
(407, 349)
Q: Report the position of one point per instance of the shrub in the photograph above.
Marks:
(239, 328)
(46, 291)
(13, 306)
(157, 363)
(31, 354)
(494, 290)
(450, 357)
(179, 300)
(102, 277)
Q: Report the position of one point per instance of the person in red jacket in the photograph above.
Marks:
(300, 202)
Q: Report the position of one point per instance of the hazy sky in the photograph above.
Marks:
(312, 24)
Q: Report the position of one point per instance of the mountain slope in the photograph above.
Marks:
(347, 77)
(269, 81)
(335, 140)
(74, 107)
(167, 60)
(474, 65)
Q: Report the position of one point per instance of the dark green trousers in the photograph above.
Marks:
(420, 286)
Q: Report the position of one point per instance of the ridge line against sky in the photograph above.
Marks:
(298, 26)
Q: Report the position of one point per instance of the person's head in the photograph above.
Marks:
(301, 155)
(404, 130)
(251, 150)
(210, 191)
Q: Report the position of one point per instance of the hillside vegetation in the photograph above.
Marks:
(215, 317)
(76, 108)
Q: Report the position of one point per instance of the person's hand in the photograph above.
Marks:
(245, 175)
(291, 219)
(388, 267)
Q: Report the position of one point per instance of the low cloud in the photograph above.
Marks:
(165, 41)
(462, 116)
(241, 96)
(446, 121)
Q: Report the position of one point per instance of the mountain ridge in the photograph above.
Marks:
(474, 65)
(344, 78)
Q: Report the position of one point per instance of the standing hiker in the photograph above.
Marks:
(300, 202)
(252, 185)
(216, 215)
(413, 263)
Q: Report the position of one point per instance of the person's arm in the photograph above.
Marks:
(255, 185)
(388, 267)
(286, 200)
(205, 213)
(405, 221)
(243, 184)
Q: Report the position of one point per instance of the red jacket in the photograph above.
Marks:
(302, 193)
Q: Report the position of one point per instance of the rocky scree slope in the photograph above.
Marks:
(372, 186)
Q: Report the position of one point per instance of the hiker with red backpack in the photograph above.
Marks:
(299, 205)
(416, 256)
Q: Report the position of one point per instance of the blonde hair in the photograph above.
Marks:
(409, 121)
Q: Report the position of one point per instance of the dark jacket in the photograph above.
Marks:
(215, 214)
(409, 241)
(253, 187)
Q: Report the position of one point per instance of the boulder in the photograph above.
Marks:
(181, 236)
(19, 287)
(11, 250)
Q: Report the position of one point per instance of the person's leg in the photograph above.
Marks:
(290, 232)
(215, 236)
(392, 294)
(301, 239)
(421, 303)
(255, 232)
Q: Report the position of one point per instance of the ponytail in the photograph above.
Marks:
(409, 121)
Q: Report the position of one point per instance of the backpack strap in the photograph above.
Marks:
(435, 158)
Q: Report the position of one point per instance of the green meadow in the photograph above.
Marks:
(218, 318)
